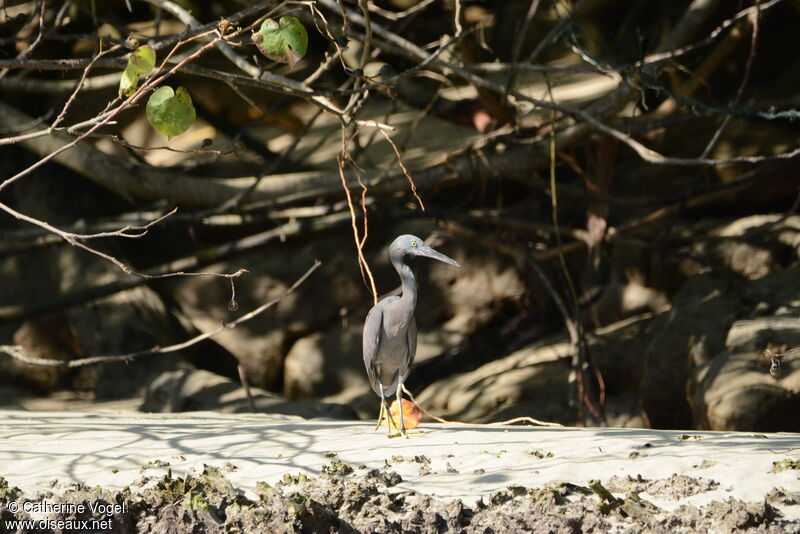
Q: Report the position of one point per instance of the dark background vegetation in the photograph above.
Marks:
(617, 179)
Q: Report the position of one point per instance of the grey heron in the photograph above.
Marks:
(390, 330)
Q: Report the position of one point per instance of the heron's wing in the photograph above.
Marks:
(373, 327)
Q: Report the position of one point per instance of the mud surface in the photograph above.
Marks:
(346, 499)
(672, 488)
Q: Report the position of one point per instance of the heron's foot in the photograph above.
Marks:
(386, 415)
(407, 435)
(401, 431)
(390, 425)
(381, 416)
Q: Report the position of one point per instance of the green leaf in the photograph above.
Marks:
(285, 41)
(140, 62)
(144, 58)
(170, 112)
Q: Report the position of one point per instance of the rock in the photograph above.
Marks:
(756, 335)
(304, 369)
(472, 294)
(776, 294)
(48, 337)
(734, 391)
(129, 321)
(691, 333)
(624, 296)
(622, 411)
(326, 363)
(751, 247)
(617, 351)
(198, 390)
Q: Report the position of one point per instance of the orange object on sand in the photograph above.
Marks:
(411, 415)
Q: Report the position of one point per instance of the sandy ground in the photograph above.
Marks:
(470, 463)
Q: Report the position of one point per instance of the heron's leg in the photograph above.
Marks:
(384, 412)
(400, 409)
(380, 417)
(389, 419)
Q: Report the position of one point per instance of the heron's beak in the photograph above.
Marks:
(428, 252)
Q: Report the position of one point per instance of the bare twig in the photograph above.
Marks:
(530, 420)
(129, 230)
(367, 45)
(391, 15)
(212, 151)
(519, 39)
(745, 78)
(405, 170)
(554, 32)
(667, 54)
(580, 361)
(75, 238)
(42, 5)
(362, 261)
(79, 86)
(457, 19)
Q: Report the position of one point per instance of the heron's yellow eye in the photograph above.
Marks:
(413, 243)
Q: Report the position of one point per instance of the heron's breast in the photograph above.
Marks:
(393, 347)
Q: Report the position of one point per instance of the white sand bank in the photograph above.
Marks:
(113, 450)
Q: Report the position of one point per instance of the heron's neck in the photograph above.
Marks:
(408, 300)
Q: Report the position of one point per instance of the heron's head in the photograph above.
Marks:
(411, 245)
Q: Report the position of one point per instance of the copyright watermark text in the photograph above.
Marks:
(45, 508)
(13, 525)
